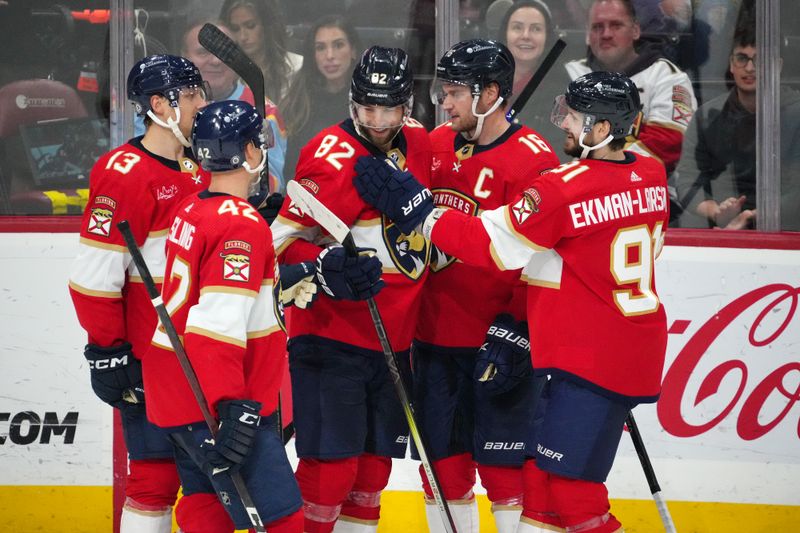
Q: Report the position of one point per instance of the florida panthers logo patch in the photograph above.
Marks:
(410, 253)
(526, 206)
(236, 267)
(101, 217)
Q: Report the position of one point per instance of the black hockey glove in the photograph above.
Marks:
(297, 284)
(238, 427)
(270, 207)
(394, 192)
(116, 374)
(504, 360)
(343, 277)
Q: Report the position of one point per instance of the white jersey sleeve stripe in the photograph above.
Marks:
(544, 270)
(510, 249)
(262, 320)
(218, 315)
(154, 256)
(99, 271)
(284, 231)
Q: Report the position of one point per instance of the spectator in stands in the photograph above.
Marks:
(665, 90)
(716, 177)
(259, 29)
(226, 85)
(319, 92)
(528, 32)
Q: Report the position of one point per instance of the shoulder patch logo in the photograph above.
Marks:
(100, 221)
(236, 267)
(681, 105)
(238, 245)
(102, 214)
(527, 205)
(311, 185)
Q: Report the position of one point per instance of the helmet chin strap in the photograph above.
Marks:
(254, 185)
(587, 149)
(171, 124)
(481, 116)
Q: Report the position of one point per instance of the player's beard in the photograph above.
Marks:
(466, 124)
(571, 146)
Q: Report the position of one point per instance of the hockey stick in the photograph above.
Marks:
(215, 41)
(226, 50)
(186, 365)
(312, 207)
(650, 474)
(536, 79)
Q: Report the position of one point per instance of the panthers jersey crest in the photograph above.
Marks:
(410, 253)
(451, 199)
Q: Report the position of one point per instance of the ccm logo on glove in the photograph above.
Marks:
(105, 364)
(510, 336)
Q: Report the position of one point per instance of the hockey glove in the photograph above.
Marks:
(343, 277)
(297, 284)
(394, 192)
(116, 374)
(270, 207)
(238, 427)
(504, 360)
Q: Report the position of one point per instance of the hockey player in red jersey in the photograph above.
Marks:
(141, 181)
(348, 420)
(480, 162)
(218, 289)
(586, 235)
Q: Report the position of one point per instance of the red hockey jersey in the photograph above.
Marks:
(326, 168)
(461, 301)
(587, 234)
(133, 184)
(219, 292)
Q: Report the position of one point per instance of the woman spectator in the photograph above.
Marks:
(319, 91)
(259, 29)
(527, 30)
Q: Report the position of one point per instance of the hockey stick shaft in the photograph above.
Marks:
(309, 204)
(186, 365)
(650, 474)
(545, 66)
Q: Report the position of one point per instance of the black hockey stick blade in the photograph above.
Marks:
(536, 79)
(215, 41)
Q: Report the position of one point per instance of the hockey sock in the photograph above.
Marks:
(582, 505)
(152, 483)
(503, 486)
(202, 513)
(538, 512)
(324, 485)
(139, 518)
(361, 510)
(287, 524)
(456, 475)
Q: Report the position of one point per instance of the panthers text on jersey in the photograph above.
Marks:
(461, 301)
